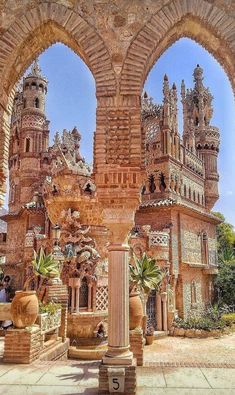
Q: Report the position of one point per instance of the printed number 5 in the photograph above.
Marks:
(116, 383)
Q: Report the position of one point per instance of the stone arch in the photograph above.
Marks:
(29, 35)
(45, 25)
(201, 21)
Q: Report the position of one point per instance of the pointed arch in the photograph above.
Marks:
(40, 27)
(205, 23)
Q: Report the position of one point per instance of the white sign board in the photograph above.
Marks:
(116, 379)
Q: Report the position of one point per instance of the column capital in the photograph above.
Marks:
(118, 247)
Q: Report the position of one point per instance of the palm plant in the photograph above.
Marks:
(145, 275)
(44, 267)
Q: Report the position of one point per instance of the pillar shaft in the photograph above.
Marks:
(159, 313)
(77, 289)
(118, 316)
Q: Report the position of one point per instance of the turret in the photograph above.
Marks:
(199, 135)
(29, 138)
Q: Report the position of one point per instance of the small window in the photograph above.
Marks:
(36, 102)
(27, 145)
(189, 193)
(205, 253)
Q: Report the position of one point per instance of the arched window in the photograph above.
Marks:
(185, 191)
(83, 297)
(36, 102)
(194, 196)
(24, 103)
(12, 193)
(198, 197)
(27, 144)
(205, 252)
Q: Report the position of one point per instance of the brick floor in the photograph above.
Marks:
(177, 351)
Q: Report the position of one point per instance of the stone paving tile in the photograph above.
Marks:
(45, 390)
(150, 377)
(76, 374)
(23, 374)
(4, 368)
(184, 391)
(185, 378)
(220, 378)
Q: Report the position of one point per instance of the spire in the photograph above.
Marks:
(36, 70)
(198, 76)
(182, 89)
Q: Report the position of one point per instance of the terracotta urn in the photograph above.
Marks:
(24, 308)
(136, 310)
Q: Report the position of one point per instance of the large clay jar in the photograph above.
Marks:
(24, 308)
(136, 310)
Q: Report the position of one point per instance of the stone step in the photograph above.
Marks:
(160, 334)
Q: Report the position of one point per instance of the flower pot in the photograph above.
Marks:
(149, 339)
(24, 308)
(136, 310)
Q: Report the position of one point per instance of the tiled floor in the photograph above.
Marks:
(59, 378)
(74, 377)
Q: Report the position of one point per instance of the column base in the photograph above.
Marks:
(106, 373)
(118, 356)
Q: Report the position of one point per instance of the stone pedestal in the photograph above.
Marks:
(137, 345)
(22, 345)
(118, 315)
(107, 376)
(59, 294)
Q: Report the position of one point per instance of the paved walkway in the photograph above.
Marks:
(61, 378)
(173, 366)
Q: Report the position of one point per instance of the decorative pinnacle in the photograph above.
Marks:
(36, 70)
(198, 74)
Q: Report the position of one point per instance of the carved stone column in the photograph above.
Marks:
(77, 290)
(164, 308)
(119, 222)
(118, 320)
(89, 297)
(159, 312)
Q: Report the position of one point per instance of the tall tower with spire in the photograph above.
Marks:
(29, 138)
(199, 135)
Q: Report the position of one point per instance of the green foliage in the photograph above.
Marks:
(225, 283)
(210, 319)
(45, 265)
(50, 308)
(229, 319)
(199, 323)
(225, 239)
(145, 274)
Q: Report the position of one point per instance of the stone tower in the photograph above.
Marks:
(199, 136)
(29, 139)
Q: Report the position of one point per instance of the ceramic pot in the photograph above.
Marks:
(24, 308)
(136, 310)
(149, 339)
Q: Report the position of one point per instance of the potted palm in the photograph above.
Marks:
(24, 307)
(145, 275)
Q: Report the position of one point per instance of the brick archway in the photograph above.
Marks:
(206, 24)
(32, 33)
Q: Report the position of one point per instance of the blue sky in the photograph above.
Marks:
(71, 101)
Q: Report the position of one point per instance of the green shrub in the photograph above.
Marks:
(228, 319)
(49, 308)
